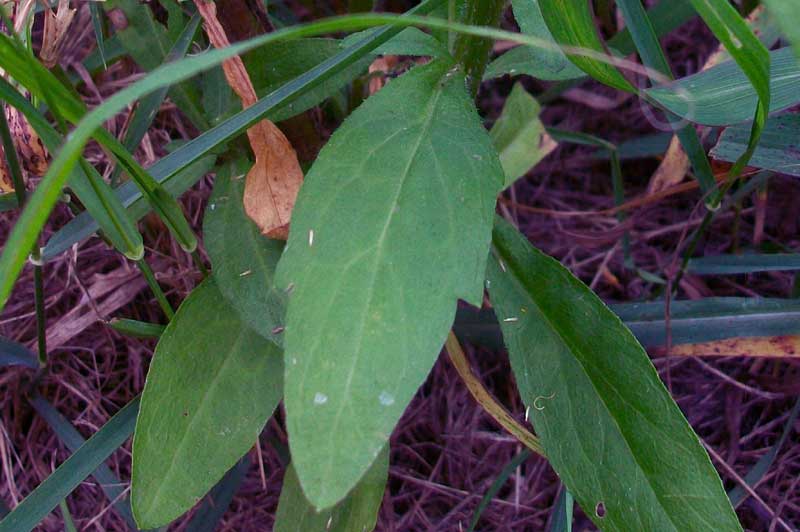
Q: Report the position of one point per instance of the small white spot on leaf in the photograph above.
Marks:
(386, 398)
(320, 398)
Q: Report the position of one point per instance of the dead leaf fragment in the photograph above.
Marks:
(29, 146)
(672, 170)
(55, 32)
(272, 184)
(758, 346)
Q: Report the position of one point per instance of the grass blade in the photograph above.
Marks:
(776, 150)
(15, 354)
(219, 499)
(747, 263)
(497, 485)
(72, 472)
(71, 438)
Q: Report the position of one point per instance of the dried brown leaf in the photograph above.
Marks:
(759, 346)
(272, 184)
(33, 155)
(672, 170)
(55, 32)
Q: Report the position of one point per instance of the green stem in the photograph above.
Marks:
(156, 288)
(38, 294)
(12, 160)
(198, 260)
(473, 52)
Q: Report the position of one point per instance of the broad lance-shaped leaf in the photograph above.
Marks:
(391, 227)
(212, 385)
(787, 15)
(609, 427)
(243, 261)
(358, 512)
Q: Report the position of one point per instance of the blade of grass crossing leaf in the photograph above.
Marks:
(749, 53)
(776, 150)
(16, 354)
(146, 110)
(72, 472)
(97, 25)
(497, 485)
(597, 402)
(92, 190)
(646, 41)
(112, 487)
(571, 23)
(83, 226)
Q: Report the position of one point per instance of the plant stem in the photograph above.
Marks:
(156, 288)
(198, 260)
(473, 52)
(485, 399)
(38, 294)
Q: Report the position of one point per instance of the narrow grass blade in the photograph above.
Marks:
(561, 518)
(72, 472)
(776, 150)
(135, 328)
(497, 485)
(646, 40)
(749, 53)
(83, 225)
(747, 263)
(571, 23)
(8, 202)
(97, 25)
(760, 468)
(723, 95)
(72, 439)
(15, 354)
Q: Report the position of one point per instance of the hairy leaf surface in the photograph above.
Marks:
(391, 227)
(609, 427)
(212, 385)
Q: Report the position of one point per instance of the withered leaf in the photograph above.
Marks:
(272, 184)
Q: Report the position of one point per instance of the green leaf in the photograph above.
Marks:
(72, 439)
(83, 225)
(571, 23)
(723, 95)
(207, 518)
(551, 65)
(212, 385)
(373, 295)
(272, 66)
(243, 260)
(749, 53)
(609, 427)
(787, 15)
(135, 328)
(644, 36)
(16, 354)
(358, 512)
(776, 150)
(497, 485)
(72, 472)
(746, 263)
(561, 518)
(519, 136)
(410, 41)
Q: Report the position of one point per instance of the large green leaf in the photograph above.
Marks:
(273, 66)
(211, 387)
(776, 150)
(243, 260)
(391, 226)
(723, 95)
(519, 136)
(358, 512)
(571, 23)
(609, 427)
(541, 63)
